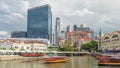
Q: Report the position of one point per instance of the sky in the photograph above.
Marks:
(96, 14)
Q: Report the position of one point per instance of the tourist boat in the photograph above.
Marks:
(99, 56)
(54, 59)
(32, 55)
(109, 61)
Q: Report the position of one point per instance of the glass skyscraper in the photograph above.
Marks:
(39, 23)
(19, 34)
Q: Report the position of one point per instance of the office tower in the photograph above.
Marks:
(68, 29)
(58, 30)
(39, 23)
(83, 28)
(19, 34)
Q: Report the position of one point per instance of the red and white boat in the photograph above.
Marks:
(111, 61)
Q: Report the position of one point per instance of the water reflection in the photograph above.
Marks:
(81, 62)
(30, 61)
(55, 65)
(73, 62)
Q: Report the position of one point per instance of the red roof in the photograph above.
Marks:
(109, 34)
(60, 38)
(118, 31)
(86, 39)
(77, 32)
(30, 42)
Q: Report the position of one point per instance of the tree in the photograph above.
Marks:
(67, 48)
(67, 43)
(94, 45)
(91, 46)
(3, 48)
(50, 48)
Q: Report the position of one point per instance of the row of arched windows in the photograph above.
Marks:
(109, 37)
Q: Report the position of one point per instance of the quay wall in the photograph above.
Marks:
(13, 57)
(17, 57)
(74, 53)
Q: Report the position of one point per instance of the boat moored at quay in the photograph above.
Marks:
(109, 60)
(32, 55)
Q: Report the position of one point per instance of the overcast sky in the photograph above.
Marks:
(96, 14)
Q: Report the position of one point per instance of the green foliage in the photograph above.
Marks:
(91, 46)
(0, 48)
(12, 49)
(67, 43)
(50, 48)
(67, 48)
(3, 48)
(22, 49)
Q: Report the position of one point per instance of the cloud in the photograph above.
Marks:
(114, 22)
(83, 12)
(18, 15)
(4, 6)
(14, 6)
(4, 34)
(13, 15)
(104, 19)
(94, 13)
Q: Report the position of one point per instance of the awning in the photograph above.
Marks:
(112, 50)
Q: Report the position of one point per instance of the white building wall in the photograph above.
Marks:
(29, 47)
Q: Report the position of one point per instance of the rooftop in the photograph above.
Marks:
(46, 5)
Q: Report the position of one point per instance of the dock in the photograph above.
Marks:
(73, 53)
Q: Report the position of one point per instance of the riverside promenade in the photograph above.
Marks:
(18, 57)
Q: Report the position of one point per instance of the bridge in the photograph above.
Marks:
(73, 53)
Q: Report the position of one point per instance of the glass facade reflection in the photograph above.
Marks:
(19, 34)
(39, 22)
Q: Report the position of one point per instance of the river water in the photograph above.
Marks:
(73, 62)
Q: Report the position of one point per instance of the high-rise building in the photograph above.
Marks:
(19, 34)
(83, 28)
(77, 38)
(58, 30)
(68, 29)
(53, 38)
(39, 23)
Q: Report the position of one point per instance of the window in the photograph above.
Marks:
(28, 47)
(106, 38)
(115, 36)
(22, 47)
(16, 47)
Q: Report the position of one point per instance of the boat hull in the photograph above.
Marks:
(109, 64)
(58, 59)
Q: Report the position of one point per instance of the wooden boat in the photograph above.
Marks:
(54, 58)
(109, 64)
(99, 56)
(32, 55)
(109, 61)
